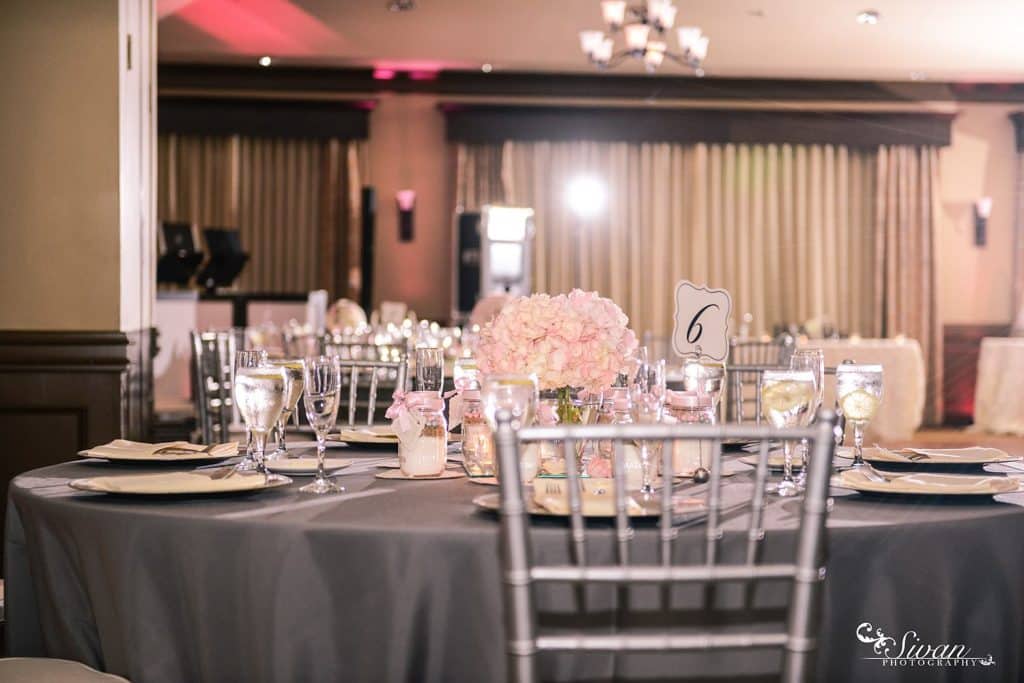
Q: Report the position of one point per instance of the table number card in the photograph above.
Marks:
(701, 321)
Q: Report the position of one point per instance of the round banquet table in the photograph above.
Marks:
(902, 409)
(997, 404)
(399, 581)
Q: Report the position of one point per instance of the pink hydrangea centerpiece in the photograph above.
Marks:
(578, 340)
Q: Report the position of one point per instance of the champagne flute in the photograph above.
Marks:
(813, 360)
(260, 395)
(322, 379)
(249, 358)
(859, 388)
(430, 369)
(646, 404)
(293, 369)
(786, 400)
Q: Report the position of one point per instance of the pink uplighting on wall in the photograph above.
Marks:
(383, 74)
(256, 26)
(406, 199)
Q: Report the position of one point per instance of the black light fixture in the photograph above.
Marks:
(406, 201)
(982, 210)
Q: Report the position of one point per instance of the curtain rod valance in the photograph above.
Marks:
(264, 117)
(475, 123)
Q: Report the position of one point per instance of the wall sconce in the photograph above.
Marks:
(406, 200)
(982, 210)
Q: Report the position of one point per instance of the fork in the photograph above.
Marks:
(178, 450)
(220, 472)
(903, 453)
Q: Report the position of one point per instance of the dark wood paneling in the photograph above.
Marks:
(265, 118)
(61, 392)
(961, 346)
(310, 82)
(475, 123)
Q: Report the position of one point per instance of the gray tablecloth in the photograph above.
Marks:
(400, 582)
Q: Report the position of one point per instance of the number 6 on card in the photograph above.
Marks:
(701, 321)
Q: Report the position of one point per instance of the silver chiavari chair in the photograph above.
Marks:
(213, 356)
(775, 351)
(795, 636)
(366, 379)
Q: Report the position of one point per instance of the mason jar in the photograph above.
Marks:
(690, 407)
(425, 452)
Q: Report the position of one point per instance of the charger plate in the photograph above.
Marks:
(928, 484)
(174, 484)
(305, 466)
(132, 452)
(636, 508)
(975, 455)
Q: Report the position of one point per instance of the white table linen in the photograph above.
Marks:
(902, 409)
(998, 407)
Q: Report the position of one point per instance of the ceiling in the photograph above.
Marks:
(942, 40)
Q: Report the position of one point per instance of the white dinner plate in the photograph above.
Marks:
(174, 484)
(397, 474)
(599, 510)
(305, 466)
(179, 452)
(975, 455)
(928, 484)
(374, 435)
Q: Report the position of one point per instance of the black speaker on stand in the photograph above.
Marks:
(369, 224)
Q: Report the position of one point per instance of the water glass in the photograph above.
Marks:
(293, 369)
(859, 390)
(647, 389)
(786, 400)
(466, 374)
(814, 361)
(249, 358)
(430, 369)
(517, 394)
(259, 394)
(322, 380)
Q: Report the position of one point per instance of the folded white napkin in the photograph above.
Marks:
(122, 449)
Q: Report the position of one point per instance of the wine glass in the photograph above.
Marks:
(293, 369)
(517, 394)
(814, 361)
(249, 358)
(646, 405)
(859, 388)
(429, 369)
(786, 400)
(259, 395)
(322, 384)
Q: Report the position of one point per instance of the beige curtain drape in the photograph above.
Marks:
(905, 298)
(787, 229)
(295, 203)
(478, 176)
(794, 232)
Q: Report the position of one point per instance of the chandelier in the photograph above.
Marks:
(643, 28)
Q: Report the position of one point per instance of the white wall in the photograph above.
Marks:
(72, 214)
(976, 283)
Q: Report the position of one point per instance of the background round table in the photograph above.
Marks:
(998, 407)
(902, 409)
(399, 581)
